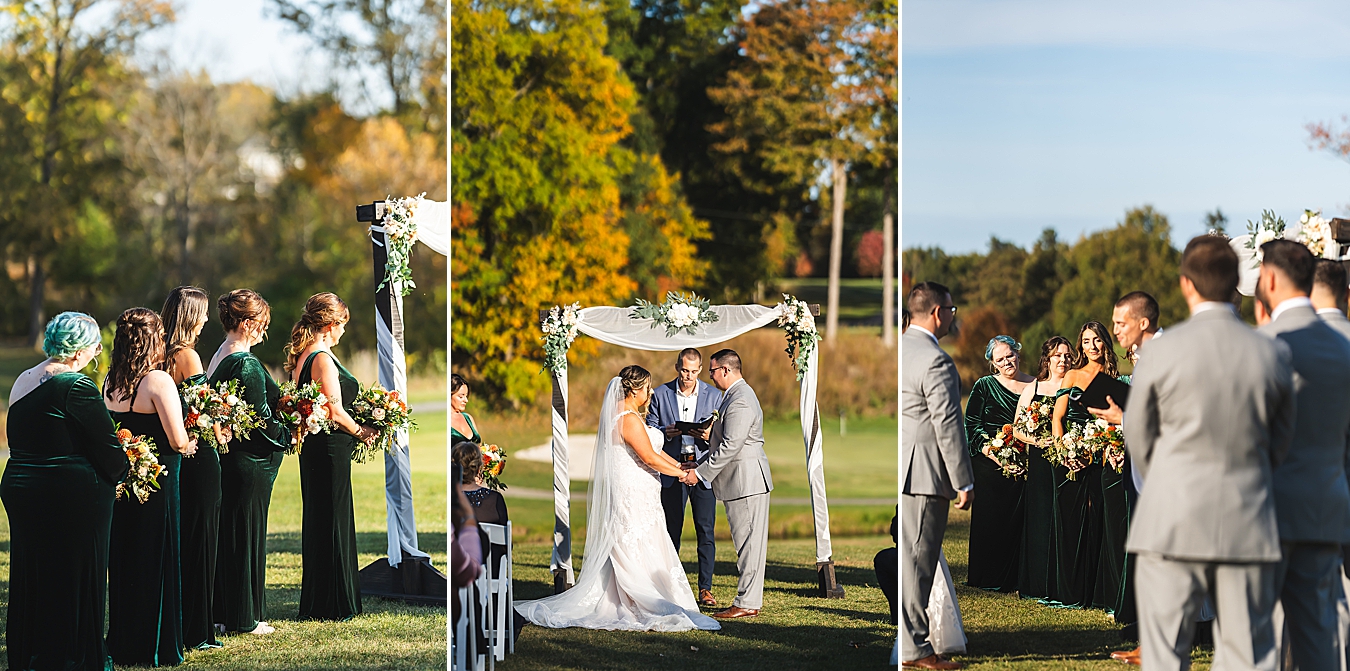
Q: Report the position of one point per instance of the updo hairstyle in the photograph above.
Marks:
(241, 305)
(320, 310)
(68, 333)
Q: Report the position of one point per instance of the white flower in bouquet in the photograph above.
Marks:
(232, 399)
(204, 421)
(377, 413)
(320, 402)
(682, 315)
(997, 442)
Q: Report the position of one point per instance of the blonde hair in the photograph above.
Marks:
(320, 311)
(185, 310)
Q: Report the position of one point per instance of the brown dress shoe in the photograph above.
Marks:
(933, 662)
(735, 612)
(705, 598)
(1127, 656)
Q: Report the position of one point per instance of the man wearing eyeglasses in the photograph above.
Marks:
(934, 461)
(688, 399)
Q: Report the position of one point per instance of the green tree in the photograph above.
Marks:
(64, 61)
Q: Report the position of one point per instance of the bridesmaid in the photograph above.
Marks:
(1078, 503)
(145, 617)
(247, 471)
(185, 313)
(1036, 563)
(462, 427)
(995, 524)
(329, 586)
(64, 462)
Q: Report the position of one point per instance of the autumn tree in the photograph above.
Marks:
(809, 91)
(63, 62)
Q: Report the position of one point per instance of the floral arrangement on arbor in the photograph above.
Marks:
(1315, 232)
(1269, 228)
(796, 319)
(400, 234)
(560, 329)
(677, 313)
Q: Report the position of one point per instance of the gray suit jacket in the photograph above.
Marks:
(1211, 412)
(933, 454)
(1312, 501)
(1337, 321)
(737, 466)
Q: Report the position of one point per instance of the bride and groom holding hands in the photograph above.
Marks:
(631, 576)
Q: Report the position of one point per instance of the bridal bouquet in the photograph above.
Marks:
(1009, 453)
(386, 412)
(494, 460)
(400, 234)
(145, 470)
(560, 329)
(1107, 440)
(677, 313)
(303, 409)
(1315, 232)
(241, 419)
(1034, 420)
(204, 410)
(1073, 447)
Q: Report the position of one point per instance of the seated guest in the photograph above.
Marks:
(887, 566)
(488, 505)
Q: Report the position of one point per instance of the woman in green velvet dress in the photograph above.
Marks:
(1036, 561)
(185, 313)
(64, 463)
(462, 426)
(1078, 504)
(145, 615)
(330, 588)
(995, 524)
(247, 471)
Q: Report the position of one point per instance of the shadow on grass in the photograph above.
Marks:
(367, 542)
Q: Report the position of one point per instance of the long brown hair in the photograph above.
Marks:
(1108, 352)
(320, 311)
(185, 310)
(1048, 348)
(138, 348)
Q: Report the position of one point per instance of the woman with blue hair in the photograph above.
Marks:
(996, 522)
(58, 488)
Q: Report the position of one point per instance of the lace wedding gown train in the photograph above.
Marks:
(631, 578)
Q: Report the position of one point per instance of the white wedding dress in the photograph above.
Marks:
(631, 578)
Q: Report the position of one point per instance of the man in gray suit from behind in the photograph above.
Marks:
(1329, 298)
(738, 471)
(934, 461)
(1312, 500)
(1211, 411)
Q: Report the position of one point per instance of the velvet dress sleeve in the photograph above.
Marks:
(261, 392)
(95, 433)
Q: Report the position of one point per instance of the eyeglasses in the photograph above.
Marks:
(949, 307)
(717, 368)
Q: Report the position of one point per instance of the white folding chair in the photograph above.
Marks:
(484, 658)
(499, 617)
(465, 642)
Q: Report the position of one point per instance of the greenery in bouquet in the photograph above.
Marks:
(1071, 448)
(1034, 421)
(560, 329)
(241, 419)
(494, 460)
(677, 313)
(386, 412)
(143, 476)
(796, 319)
(303, 410)
(1107, 440)
(1009, 453)
(1270, 227)
(400, 234)
(204, 411)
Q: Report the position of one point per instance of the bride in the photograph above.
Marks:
(631, 577)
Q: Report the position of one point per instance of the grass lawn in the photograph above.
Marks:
(1006, 632)
(859, 298)
(859, 465)
(389, 635)
(795, 630)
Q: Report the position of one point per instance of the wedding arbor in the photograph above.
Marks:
(670, 327)
(395, 226)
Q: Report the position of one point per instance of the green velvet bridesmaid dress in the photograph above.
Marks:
(199, 498)
(1078, 524)
(996, 523)
(456, 437)
(329, 586)
(247, 473)
(145, 616)
(1115, 591)
(1036, 563)
(58, 493)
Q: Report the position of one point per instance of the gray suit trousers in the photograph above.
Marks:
(1170, 593)
(748, 518)
(922, 525)
(1307, 578)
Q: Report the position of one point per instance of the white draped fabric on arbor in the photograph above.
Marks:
(616, 326)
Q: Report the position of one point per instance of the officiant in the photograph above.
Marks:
(688, 399)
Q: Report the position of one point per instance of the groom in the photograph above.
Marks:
(738, 471)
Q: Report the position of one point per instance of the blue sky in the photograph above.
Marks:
(1023, 115)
